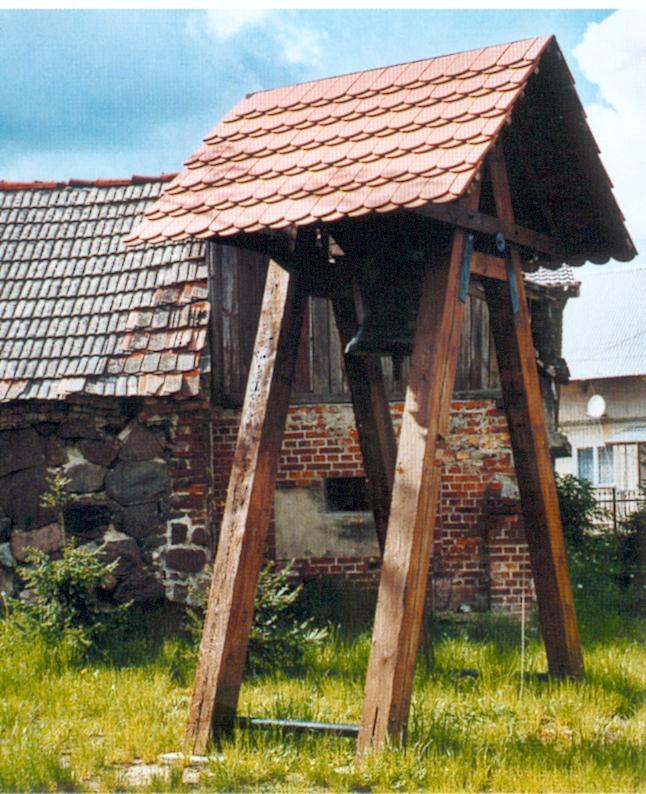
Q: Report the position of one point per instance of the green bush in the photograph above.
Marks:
(604, 562)
(63, 603)
(579, 509)
(279, 635)
(632, 541)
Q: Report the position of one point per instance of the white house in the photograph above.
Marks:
(603, 409)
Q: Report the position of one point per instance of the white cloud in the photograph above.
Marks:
(300, 43)
(226, 23)
(613, 56)
(297, 43)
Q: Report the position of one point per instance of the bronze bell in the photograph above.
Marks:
(386, 301)
(378, 338)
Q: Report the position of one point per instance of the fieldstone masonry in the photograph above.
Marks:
(131, 485)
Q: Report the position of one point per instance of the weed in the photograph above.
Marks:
(279, 637)
(57, 496)
(64, 606)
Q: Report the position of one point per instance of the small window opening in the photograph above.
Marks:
(596, 465)
(346, 495)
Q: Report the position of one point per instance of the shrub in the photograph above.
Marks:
(279, 636)
(63, 604)
(579, 509)
(604, 563)
(632, 541)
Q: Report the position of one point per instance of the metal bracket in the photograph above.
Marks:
(465, 270)
(503, 248)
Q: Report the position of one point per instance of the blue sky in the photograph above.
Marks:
(84, 89)
(110, 93)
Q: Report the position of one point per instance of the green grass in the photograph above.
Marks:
(65, 728)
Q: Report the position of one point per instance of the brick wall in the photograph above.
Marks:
(480, 558)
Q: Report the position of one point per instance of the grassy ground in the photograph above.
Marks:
(64, 728)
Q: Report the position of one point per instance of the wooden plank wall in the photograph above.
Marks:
(236, 282)
(236, 285)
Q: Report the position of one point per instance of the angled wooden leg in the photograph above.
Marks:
(409, 542)
(247, 512)
(523, 405)
(372, 416)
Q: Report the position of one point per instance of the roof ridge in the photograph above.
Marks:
(135, 179)
(395, 65)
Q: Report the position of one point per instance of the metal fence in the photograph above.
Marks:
(619, 505)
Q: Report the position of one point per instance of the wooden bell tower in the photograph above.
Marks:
(404, 480)
(379, 160)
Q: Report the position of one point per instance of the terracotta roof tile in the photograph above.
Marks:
(375, 141)
(259, 167)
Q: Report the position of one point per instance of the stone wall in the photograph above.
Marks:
(139, 482)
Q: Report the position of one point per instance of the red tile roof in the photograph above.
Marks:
(373, 141)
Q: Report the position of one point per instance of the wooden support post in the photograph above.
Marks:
(247, 512)
(522, 398)
(372, 417)
(409, 542)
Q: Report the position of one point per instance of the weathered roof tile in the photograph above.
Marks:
(70, 290)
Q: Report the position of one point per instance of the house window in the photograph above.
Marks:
(585, 463)
(606, 467)
(346, 495)
(596, 464)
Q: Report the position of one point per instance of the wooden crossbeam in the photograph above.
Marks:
(247, 512)
(372, 417)
(458, 215)
(409, 541)
(487, 266)
(526, 418)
